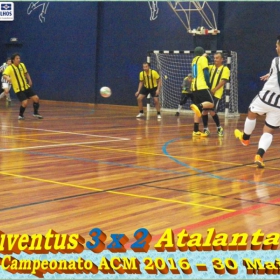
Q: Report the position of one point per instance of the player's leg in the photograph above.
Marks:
(257, 107)
(272, 122)
(249, 126)
(5, 86)
(206, 131)
(7, 93)
(156, 102)
(23, 104)
(206, 101)
(35, 98)
(143, 93)
(184, 98)
(264, 143)
(214, 114)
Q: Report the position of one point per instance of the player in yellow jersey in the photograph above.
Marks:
(149, 82)
(219, 76)
(17, 74)
(202, 96)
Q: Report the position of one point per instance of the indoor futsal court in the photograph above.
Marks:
(99, 166)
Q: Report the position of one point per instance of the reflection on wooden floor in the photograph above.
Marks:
(86, 166)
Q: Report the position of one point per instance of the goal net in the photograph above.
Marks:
(174, 66)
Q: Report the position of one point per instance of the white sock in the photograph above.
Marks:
(2, 95)
(179, 108)
(265, 141)
(249, 126)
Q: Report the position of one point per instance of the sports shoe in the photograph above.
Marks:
(177, 114)
(205, 133)
(259, 161)
(159, 117)
(220, 131)
(196, 133)
(196, 110)
(239, 135)
(37, 116)
(20, 118)
(140, 115)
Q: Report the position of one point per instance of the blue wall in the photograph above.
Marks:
(85, 45)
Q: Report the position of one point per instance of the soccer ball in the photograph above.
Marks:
(105, 92)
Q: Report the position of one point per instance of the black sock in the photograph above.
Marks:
(21, 111)
(200, 107)
(216, 120)
(36, 107)
(195, 127)
(141, 111)
(205, 120)
(158, 113)
(246, 136)
(261, 152)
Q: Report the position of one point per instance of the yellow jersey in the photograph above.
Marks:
(150, 79)
(17, 75)
(216, 75)
(199, 63)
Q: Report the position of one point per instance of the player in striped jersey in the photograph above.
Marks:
(267, 101)
(6, 86)
(219, 76)
(17, 74)
(149, 83)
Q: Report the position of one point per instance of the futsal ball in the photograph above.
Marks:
(105, 92)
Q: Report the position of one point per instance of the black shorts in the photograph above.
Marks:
(146, 91)
(185, 97)
(203, 95)
(23, 95)
(216, 104)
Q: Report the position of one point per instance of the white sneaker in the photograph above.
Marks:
(37, 116)
(20, 118)
(140, 115)
(158, 117)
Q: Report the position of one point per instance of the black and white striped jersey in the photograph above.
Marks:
(2, 68)
(270, 94)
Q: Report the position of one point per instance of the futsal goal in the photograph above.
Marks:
(174, 66)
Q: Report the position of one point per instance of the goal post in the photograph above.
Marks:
(174, 66)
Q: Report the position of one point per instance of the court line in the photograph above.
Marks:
(56, 145)
(213, 220)
(114, 192)
(66, 132)
(208, 174)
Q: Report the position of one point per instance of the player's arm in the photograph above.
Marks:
(158, 86)
(28, 78)
(139, 88)
(219, 85)
(207, 76)
(265, 77)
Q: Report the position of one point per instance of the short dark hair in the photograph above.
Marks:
(8, 58)
(14, 56)
(147, 63)
(221, 54)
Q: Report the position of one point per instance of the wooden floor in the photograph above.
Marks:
(86, 166)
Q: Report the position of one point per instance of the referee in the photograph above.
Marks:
(149, 83)
(17, 74)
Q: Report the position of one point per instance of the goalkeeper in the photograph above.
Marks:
(186, 93)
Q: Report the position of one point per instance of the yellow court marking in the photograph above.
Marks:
(116, 192)
(126, 151)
